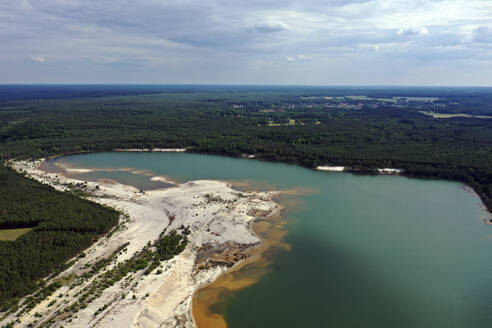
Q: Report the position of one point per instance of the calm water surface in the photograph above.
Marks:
(366, 251)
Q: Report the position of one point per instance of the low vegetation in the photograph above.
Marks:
(12, 234)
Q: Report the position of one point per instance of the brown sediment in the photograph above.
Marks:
(255, 185)
(271, 231)
(251, 185)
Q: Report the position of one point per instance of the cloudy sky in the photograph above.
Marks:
(314, 42)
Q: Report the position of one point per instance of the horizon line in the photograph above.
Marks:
(252, 85)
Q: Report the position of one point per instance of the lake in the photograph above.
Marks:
(364, 251)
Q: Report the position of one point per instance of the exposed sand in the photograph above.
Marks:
(172, 150)
(487, 216)
(219, 218)
(244, 274)
(388, 170)
(331, 168)
(163, 178)
(343, 168)
(452, 115)
(66, 170)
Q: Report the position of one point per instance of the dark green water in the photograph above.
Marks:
(367, 251)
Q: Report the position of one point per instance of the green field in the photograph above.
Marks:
(453, 115)
(12, 234)
(366, 98)
(425, 99)
(392, 99)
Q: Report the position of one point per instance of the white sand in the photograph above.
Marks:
(215, 213)
(162, 178)
(388, 170)
(172, 150)
(342, 168)
(331, 168)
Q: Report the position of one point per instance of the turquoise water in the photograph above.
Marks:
(367, 251)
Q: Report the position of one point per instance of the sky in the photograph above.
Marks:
(293, 42)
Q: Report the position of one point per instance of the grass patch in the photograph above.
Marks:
(291, 122)
(12, 234)
(453, 115)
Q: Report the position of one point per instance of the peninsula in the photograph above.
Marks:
(111, 285)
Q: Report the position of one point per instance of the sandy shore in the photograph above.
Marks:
(331, 168)
(171, 150)
(390, 171)
(487, 216)
(219, 217)
(386, 170)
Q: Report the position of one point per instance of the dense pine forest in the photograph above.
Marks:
(362, 128)
(63, 225)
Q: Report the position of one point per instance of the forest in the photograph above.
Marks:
(361, 128)
(63, 225)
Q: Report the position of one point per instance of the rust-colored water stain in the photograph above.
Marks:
(271, 232)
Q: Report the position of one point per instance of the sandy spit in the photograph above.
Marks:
(216, 214)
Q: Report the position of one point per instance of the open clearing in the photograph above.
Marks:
(12, 234)
(450, 115)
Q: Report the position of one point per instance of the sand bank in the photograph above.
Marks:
(219, 217)
(385, 170)
(172, 150)
(67, 170)
(331, 168)
(163, 178)
(390, 171)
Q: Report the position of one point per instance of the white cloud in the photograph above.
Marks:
(300, 57)
(413, 31)
(37, 59)
(370, 47)
(304, 57)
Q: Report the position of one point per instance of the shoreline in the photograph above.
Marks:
(380, 171)
(217, 215)
(148, 312)
(156, 150)
(487, 217)
(346, 169)
(271, 232)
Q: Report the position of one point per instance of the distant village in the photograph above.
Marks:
(351, 103)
